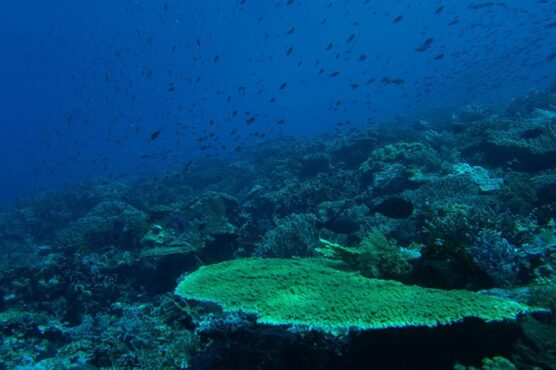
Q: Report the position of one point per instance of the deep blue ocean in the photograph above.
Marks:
(281, 184)
(84, 84)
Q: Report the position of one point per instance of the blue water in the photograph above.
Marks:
(84, 84)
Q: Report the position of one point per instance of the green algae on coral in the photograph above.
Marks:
(309, 293)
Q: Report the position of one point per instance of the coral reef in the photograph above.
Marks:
(296, 235)
(496, 257)
(409, 220)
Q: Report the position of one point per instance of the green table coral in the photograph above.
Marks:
(311, 294)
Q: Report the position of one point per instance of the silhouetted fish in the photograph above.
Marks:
(395, 208)
(340, 225)
(155, 134)
(398, 19)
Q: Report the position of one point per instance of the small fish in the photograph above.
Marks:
(425, 46)
(340, 225)
(395, 208)
(398, 19)
(334, 74)
(397, 81)
(480, 5)
(155, 134)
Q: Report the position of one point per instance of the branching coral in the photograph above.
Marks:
(296, 235)
(374, 257)
(495, 256)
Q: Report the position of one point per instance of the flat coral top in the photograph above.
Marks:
(307, 292)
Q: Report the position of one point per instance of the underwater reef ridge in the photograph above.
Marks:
(426, 244)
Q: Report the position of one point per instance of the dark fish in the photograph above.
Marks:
(329, 46)
(351, 37)
(425, 46)
(439, 9)
(289, 51)
(398, 19)
(397, 81)
(480, 5)
(362, 57)
(283, 85)
(439, 57)
(155, 134)
(340, 225)
(334, 74)
(395, 208)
